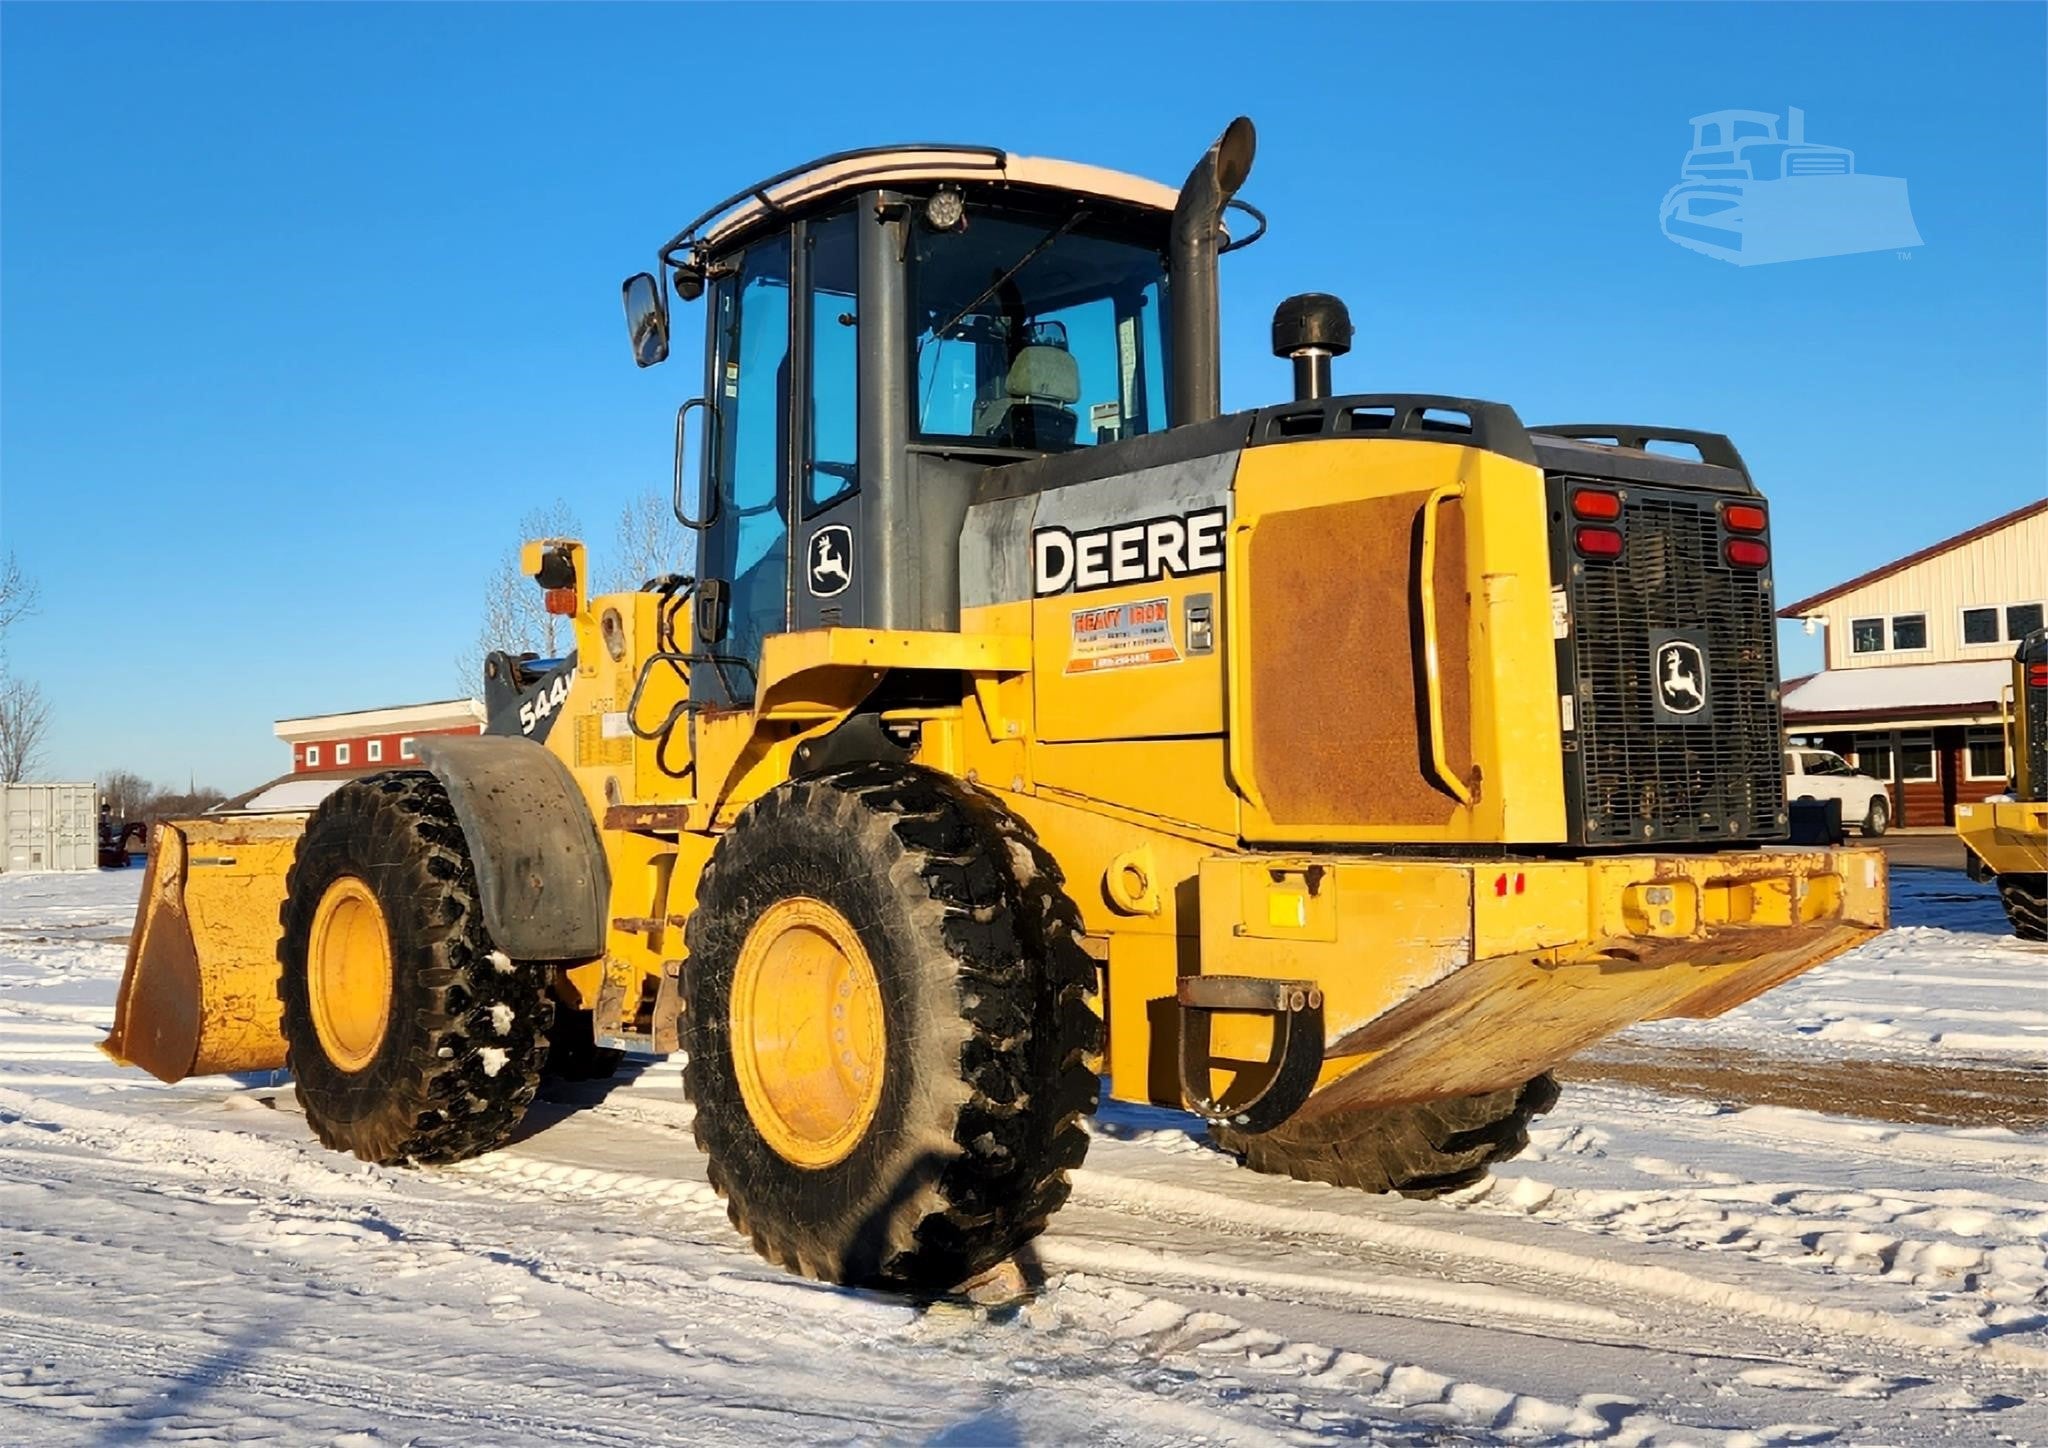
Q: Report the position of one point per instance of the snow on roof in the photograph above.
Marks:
(1901, 689)
(300, 792)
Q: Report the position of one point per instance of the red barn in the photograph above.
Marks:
(374, 738)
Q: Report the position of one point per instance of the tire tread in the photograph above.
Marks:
(959, 860)
(1419, 1150)
(441, 1102)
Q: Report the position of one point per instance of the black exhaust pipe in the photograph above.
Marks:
(1196, 326)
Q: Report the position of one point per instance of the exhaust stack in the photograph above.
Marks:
(1195, 324)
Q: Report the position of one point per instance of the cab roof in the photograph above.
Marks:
(848, 171)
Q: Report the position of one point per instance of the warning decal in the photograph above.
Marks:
(1122, 636)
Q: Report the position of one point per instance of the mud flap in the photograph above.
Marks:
(199, 994)
(1285, 1081)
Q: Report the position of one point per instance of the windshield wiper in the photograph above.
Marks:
(939, 333)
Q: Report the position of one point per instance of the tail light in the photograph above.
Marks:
(1744, 518)
(2037, 676)
(1747, 553)
(1596, 506)
(1598, 542)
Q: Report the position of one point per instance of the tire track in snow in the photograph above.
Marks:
(205, 1382)
(1531, 1265)
(322, 1214)
(1545, 1288)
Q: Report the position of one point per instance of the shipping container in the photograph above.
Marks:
(49, 827)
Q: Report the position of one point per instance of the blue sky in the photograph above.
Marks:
(301, 307)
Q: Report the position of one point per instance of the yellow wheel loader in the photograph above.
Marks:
(1331, 769)
(2007, 838)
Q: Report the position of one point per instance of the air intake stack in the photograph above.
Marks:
(1310, 329)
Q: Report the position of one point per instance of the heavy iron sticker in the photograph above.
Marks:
(1122, 636)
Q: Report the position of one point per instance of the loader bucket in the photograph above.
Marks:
(199, 996)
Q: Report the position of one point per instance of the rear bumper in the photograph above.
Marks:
(2010, 838)
(1445, 978)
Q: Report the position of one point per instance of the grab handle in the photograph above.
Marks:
(1432, 681)
(1236, 655)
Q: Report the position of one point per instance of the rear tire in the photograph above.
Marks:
(1423, 1150)
(1878, 818)
(573, 1051)
(965, 999)
(2025, 898)
(456, 1060)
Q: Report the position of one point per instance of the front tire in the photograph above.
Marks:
(1878, 818)
(408, 1037)
(887, 1029)
(1422, 1150)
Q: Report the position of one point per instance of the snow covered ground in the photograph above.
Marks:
(1692, 1264)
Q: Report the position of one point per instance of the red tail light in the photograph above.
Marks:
(1747, 553)
(1598, 542)
(1599, 507)
(1743, 518)
(2037, 676)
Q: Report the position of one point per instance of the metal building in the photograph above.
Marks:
(1918, 652)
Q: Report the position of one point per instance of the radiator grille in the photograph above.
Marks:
(1641, 774)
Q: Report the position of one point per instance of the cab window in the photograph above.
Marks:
(1032, 333)
(832, 469)
(748, 544)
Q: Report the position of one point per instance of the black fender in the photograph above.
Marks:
(541, 870)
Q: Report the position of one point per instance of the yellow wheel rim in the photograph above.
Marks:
(348, 973)
(807, 1039)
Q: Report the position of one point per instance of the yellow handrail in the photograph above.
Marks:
(1235, 627)
(1439, 763)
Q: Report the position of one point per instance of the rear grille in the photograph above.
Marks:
(1636, 773)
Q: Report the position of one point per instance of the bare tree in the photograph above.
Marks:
(514, 617)
(126, 795)
(650, 543)
(19, 594)
(196, 800)
(24, 720)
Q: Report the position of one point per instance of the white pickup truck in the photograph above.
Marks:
(1823, 774)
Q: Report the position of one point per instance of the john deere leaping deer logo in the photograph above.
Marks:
(831, 561)
(1681, 678)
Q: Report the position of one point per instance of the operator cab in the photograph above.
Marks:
(884, 326)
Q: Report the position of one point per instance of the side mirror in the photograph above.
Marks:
(646, 319)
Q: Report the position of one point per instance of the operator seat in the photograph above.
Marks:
(1035, 409)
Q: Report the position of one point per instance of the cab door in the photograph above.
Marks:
(744, 554)
(782, 546)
